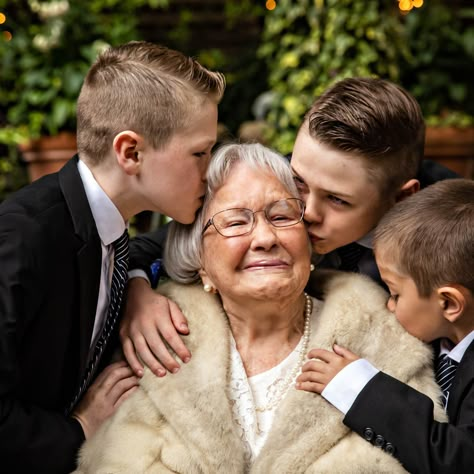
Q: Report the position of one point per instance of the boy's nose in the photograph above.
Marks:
(313, 211)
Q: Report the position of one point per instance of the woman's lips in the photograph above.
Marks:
(266, 264)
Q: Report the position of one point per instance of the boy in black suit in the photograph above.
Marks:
(358, 152)
(147, 120)
(424, 248)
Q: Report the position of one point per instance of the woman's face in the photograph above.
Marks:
(267, 263)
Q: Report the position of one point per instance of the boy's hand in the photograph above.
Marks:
(316, 374)
(148, 319)
(111, 387)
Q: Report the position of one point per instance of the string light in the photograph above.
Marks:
(7, 36)
(407, 5)
(3, 18)
(270, 4)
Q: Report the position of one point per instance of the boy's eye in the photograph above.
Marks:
(300, 184)
(337, 200)
(200, 154)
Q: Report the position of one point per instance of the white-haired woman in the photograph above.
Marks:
(242, 268)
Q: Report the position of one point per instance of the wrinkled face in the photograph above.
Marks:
(174, 177)
(422, 317)
(267, 263)
(342, 204)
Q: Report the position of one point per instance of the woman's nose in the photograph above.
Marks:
(263, 233)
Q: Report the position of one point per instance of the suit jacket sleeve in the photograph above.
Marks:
(403, 417)
(32, 439)
(146, 248)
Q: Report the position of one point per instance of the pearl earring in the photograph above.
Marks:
(207, 288)
(311, 267)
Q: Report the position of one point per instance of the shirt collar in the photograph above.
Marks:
(108, 220)
(367, 240)
(456, 353)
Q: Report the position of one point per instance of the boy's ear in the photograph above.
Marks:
(453, 301)
(412, 186)
(127, 147)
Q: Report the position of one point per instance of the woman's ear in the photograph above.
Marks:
(453, 301)
(207, 282)
(128, 147)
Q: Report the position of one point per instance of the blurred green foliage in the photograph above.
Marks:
(43, 65)
(440, 69)
(310, 44)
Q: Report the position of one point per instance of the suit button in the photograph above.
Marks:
(369, 434)
(379, 441)
(389, 448)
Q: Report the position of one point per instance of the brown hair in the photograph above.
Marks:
(373, 119)
(142, 87)
(430, 236)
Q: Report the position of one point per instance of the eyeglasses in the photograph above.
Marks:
(241, 221)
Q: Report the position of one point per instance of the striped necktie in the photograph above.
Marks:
(119, 278)
(445, 373)
(350, 255)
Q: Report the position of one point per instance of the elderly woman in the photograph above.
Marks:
(233, 408)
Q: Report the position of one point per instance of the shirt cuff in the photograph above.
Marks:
(137, 273)
(346, 386)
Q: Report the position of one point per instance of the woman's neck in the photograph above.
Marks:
(266, 333)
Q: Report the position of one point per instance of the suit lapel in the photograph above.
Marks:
(89, 255)
(462, 381)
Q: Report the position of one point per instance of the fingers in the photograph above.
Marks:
(124, 396)
(111, 387)
(322, 354)
(322, 367)
(178, 318)
(150, 321)
(130, 355)
(346, 353)
(167, 327)
(155, 354)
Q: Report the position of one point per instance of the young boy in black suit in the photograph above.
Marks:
(147, 120)
(424, 247)
(359, 150)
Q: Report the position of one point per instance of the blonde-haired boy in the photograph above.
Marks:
(147, 120)
(424, 247)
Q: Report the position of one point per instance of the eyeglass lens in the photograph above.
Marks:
(234, 222)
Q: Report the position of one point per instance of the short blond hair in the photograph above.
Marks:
(429, 236)
(143, 87)
(373, 119)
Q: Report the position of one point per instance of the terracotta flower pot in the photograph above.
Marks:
(48, 154)
(452, 147)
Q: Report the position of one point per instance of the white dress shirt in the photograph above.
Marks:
(110, 226)
(345, 387)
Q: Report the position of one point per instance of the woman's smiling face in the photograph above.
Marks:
(268, 262)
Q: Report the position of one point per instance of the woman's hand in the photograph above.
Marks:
(111, 387)
(316, 374)
(150, 318)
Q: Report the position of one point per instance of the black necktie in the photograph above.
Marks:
(445, 373)
(350, 255)
(119, 278)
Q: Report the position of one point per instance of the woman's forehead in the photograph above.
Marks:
(243, 189)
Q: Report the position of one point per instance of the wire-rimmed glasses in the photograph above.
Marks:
(240, 221)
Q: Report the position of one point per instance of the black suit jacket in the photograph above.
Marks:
(50, 257)
(395, 416)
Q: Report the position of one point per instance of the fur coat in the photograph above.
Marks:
(183, 423)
